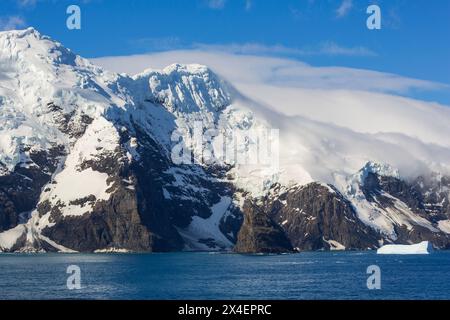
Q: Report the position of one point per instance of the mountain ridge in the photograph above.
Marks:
(88, 165)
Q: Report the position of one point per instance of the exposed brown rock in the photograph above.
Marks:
(259, 234)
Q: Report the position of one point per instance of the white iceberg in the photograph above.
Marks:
(425, 247)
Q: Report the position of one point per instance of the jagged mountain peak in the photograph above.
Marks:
(30, 47)
(381, 169)
(193, 68)
(37, 60)
(46, 89)
(39, 66)
(188, 88)
(30, 31)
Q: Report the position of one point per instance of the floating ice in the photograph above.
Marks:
(425, 247)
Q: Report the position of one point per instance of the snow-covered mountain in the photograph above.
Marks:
(91, 160)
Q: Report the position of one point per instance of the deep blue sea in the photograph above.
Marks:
(309, 275)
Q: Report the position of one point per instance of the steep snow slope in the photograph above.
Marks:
(375, 214)
(37, 74)
(74, 182)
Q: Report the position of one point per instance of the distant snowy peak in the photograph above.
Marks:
(19, 43)
(381, 169)
(188, 88)
(46, 93)
(27, 50)
(352, 185)
(37, 68)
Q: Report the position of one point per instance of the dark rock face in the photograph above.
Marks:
(116, 223)
(435, 191)
(427, 198)
(163, 215)
(138, 216)
(374, 186)
(148, 205)
(259, 233)
(20, 189)
(154, 204)
(113, 224)
(314, 214)
(231, 224)
(73, 124)
(155, 212)
(311, 217)
(418, 234)
(8, 214)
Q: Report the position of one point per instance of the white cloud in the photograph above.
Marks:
(331, 119)
(334, 89)
(332, 48)
(281, 72)
(344, 8)
(216, 4)
(27, 3)
(249, 48)
(220, 4)
(32, 3)
(11, 23)
(326, 48)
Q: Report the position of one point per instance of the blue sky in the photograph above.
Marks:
(413, 41)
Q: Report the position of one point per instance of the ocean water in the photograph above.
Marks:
(309, 275)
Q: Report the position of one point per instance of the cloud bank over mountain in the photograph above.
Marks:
(361, 100)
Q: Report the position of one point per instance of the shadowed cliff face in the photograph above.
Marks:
(311, 217)
(259, 233)
(20, 190)
(138, 216)
(318, 217)
(427, 198)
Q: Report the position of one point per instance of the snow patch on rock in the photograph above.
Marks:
(208, 229)
(9, 238)
(444, 225)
